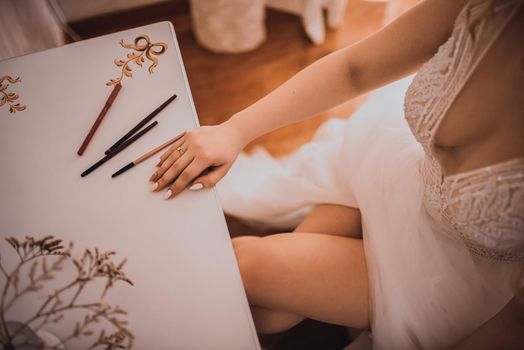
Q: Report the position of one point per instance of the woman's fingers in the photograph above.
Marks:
(209, 179)
(170, 150)
(204, 154)
(194, 169)
(172, 172)
(168, 162)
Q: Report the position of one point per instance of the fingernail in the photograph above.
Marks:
(168, 194)
(152, 177)
(196, 187)
(154, 186)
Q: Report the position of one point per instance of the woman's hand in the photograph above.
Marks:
(199, 159)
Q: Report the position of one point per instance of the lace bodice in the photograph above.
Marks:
(485, 206)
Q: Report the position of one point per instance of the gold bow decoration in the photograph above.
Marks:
(9, 98)
(143, 48)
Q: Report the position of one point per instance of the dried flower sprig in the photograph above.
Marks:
(142, 47)
(92, 265)
(10, 97)
(31, 248)
(26, 250)
(111, 341)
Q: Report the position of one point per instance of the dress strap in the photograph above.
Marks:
(491, 41)
(469, 71)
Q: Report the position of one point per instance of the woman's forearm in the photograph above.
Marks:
(320, 86)
(391, 53)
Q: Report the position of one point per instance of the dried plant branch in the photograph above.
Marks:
(27, 250)
(92, 265)
(4, 272)
(36, 281)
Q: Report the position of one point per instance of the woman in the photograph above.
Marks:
(440, 204)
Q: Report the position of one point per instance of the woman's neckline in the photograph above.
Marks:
(490, 168)
(431, 145)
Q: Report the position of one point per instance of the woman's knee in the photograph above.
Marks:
(243, 251)
(253, 263)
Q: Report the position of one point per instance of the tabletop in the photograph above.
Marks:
(180, 286)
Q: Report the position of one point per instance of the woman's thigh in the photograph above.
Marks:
(318, 276)
(333, 219)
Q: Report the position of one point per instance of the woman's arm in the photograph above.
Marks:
(393, 52)
(390, 54)
(504, 331)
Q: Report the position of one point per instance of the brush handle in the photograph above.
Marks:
(99, 119)
(119, 149)
(141, 124)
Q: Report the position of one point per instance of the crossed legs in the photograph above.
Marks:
(320, 274)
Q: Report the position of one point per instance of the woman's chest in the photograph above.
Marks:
(465, 108)
(483, 124)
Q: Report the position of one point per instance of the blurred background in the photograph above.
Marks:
(235, 52)
(275, 39)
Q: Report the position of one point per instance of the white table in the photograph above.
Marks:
(187, 291)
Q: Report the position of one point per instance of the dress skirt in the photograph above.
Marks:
(427, 291)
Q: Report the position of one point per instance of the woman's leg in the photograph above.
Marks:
(333, 219)
(318, 276)
(266, 320)
(308, 258)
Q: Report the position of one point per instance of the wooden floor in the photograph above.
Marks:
(224, 84)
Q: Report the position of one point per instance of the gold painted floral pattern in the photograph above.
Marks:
(10, 98)
(143, 49)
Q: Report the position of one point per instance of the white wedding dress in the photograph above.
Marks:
(440, 249)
